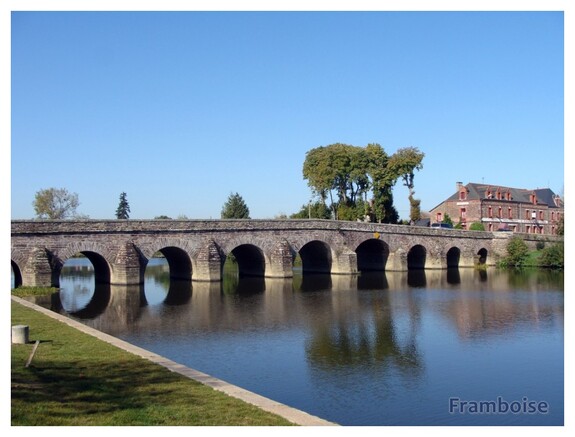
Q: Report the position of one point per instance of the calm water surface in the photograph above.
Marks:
(377, 349)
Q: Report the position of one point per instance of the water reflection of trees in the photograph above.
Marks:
(360, 333)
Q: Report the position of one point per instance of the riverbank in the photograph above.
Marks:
(80, 376)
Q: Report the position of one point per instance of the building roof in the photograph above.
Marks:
(545, 196)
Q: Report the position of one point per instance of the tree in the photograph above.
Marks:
(517, 252)
(55, 203)
(553, 256)
(476, 226)
(345, 174)
(317, 210)
(235, 208)
(382, 181)
(338, 169)
(403, 164)
(123, 210)
(447, 219)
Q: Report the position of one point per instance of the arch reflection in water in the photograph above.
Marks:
(84, 294)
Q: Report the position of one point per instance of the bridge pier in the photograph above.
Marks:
(38, 271)
(344, 263)
(468, 260)
(397, 261)
(280, 262)
(207, 265)
(128, 268)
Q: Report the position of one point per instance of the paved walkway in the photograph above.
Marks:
(293, 415)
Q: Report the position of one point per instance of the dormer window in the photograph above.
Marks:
(533, 199)
(498, 195)
(488, 194)
(463, 195)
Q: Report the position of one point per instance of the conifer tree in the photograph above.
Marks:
(235, 208)
(123, 210)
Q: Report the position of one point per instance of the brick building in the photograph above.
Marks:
(536, 211)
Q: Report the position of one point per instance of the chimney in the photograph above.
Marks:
(458, 185)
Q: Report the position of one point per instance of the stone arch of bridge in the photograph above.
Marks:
(416, 257)
(17, 274)
(250, 259)
(177, 253)
(481, 256)
(372, 255)
(251, 254)
(452, 257)
(99, 255)
(316, 257)
(179, 262)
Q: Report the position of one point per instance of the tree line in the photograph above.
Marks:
(348, 182)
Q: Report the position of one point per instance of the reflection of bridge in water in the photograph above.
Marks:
(197, 249)
(207, 306)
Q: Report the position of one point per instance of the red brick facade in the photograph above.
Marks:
(538, 211)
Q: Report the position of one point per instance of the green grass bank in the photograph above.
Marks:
(75, 379)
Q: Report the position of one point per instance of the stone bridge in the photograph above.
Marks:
(197, 249)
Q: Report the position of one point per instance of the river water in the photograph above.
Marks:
(373, 349)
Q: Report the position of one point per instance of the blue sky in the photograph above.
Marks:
(179, 109)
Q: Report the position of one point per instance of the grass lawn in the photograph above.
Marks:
(75, 379)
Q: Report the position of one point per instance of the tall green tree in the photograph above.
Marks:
(346, 175)
(383, 180)
(403, 164)
(55, 203)
(123, 210)
(337, 172)
(235, 208)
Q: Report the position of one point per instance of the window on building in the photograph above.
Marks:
(462, 213)
(509, 213)
(439, 217)
(541, 215)
(462, 195)
(498, 195)
(490, 212)
(500, 212)
(528, 229)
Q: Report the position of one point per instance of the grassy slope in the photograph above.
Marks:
(75, 379)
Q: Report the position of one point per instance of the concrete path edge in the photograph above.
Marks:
(293, 415)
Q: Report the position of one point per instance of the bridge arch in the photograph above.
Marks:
(452, 257)
(482, 256)
(179, 262)
(99, 255)
(316, 257)
(250, 259)
(416, 257)
(372, 255)
(17, 274)
(102, 270)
